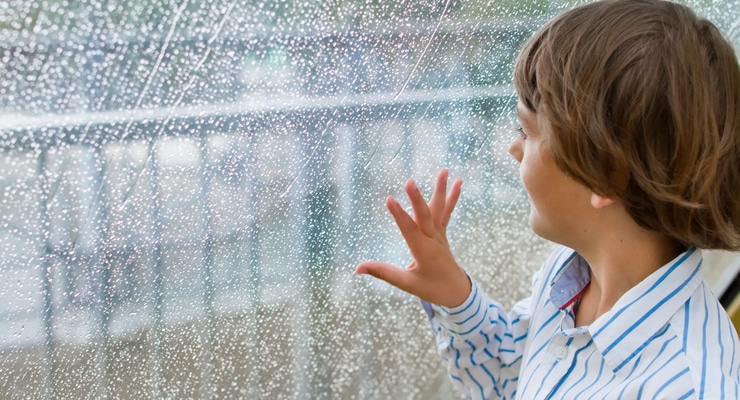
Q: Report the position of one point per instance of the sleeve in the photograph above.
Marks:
(481, 343)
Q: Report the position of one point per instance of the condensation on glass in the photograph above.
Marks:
(186, 187)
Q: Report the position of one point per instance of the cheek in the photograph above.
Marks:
(530, 178)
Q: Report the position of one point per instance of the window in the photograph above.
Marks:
(186, 187)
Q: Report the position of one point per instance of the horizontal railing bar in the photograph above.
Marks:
(282, 104)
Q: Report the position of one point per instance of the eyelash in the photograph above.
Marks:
(521, 133)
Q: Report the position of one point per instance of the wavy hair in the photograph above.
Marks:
(643, 100)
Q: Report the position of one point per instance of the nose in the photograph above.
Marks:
(515, 149)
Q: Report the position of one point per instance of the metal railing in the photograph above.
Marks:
(125, 242)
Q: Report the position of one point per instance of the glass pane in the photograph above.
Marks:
(186, 187)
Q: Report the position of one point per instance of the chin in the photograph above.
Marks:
(535, 225)
(541, 229)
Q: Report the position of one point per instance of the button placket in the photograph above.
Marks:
(558, 347)
(560, 352)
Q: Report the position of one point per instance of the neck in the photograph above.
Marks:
(620, 259)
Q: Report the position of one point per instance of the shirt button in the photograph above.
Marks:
(561, 352)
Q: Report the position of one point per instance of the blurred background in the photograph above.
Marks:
(186, 187)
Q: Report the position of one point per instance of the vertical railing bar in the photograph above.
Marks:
(253, 236)
(48, 252)
(207, 388)
(103, 258)
(320, 247)
(360, 204)
(157, 270)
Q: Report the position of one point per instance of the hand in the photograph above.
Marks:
(434, 275)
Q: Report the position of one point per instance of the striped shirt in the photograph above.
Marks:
(666, 338)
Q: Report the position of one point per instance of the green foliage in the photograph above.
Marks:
(478, 10)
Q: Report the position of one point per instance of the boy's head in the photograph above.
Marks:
(643, 101)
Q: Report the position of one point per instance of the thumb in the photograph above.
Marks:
(397, 277)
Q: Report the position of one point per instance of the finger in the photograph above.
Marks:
(451, 202)
(400, 278)
(422, 216)
(437, 204)
(405, 223)
(410, 230)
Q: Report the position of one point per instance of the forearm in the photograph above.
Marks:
(481, 344)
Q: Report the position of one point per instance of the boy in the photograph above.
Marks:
(629, 150)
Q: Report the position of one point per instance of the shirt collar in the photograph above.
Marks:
(569, 281)
(621, 333)
(640, 313)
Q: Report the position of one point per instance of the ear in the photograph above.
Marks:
(598, 201)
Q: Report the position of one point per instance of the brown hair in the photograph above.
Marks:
(643, 100)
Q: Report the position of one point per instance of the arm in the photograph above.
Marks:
(481, 343)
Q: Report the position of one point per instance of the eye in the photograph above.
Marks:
(520, 132)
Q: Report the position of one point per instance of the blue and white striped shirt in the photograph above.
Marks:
(666, 338)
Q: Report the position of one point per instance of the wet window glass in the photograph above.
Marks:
(187, 186)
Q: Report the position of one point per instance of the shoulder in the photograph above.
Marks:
(710, 345)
